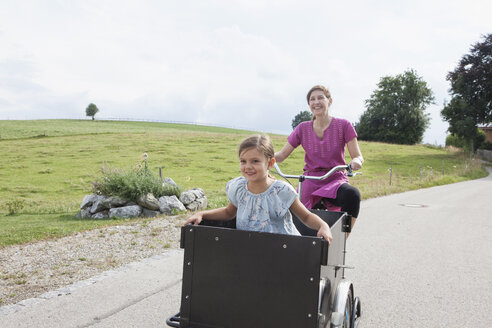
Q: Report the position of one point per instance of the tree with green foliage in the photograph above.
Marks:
(91, 110)
(471, 92)
(303, 115)
(461, 142)
(396, 110)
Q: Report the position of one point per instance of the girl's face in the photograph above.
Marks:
(254, 165)
(319, 103)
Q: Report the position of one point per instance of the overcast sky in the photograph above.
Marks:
(236, 63)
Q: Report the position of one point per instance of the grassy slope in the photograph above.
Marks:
(19, 129)
(50, 175)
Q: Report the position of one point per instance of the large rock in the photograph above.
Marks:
(126, 211)
(88, 201)
(198, 204)
(101, 215)
(113, 201)
(98, 204)
(170, 205)
(169, 181)
(84, 213)
(148, 201)
(198, 192)
(187, 197)
(194, 199)
(146, 213)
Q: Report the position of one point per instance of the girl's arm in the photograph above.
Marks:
(218, 214)
(284, 153)
(311, 220)
(354, 151)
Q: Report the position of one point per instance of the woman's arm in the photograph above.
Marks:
(354, 151)
(284, 153)
(311, 220)
(218, 214)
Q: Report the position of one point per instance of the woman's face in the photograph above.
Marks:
(319, 103)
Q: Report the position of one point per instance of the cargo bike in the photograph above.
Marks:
(244, 279)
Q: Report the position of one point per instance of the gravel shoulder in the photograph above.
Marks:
(29, 270)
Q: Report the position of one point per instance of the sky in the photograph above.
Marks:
(244, 64)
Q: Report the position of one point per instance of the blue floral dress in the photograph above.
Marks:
(268, 211)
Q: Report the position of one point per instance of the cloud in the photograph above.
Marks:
(236, 63)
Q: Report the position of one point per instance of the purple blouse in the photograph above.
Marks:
(321, 156)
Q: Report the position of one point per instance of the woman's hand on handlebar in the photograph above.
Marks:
(355, 154)
(195, 219)
(325, 233)
(355, 164)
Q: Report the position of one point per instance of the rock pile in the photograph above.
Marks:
(101, 207)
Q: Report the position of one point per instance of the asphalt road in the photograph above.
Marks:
(422, 259)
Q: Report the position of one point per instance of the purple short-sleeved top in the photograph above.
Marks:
(321, 156)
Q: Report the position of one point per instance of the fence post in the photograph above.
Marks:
(160, 172)
(391, 171)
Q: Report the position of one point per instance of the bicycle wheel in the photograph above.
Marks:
(347, 316)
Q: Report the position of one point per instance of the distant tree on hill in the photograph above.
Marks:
(471, 91)
(396, 110)
(301, 117)
(91, 110)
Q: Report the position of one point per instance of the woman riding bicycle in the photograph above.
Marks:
(324, 139)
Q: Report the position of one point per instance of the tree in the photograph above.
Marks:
(460, 142)
(396, 110)
(91, 110)
(471, 92)
(301, 117)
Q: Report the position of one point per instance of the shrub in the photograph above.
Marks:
(486, 145)
(480, 139)
(132, 184)
(14, 206)
(460, 142)
(453, 140)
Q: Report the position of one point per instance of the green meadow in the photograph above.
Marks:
(47, 166)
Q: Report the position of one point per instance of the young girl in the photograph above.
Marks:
(257, 200)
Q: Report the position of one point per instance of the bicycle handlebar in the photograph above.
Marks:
(303, 177)
(313, 177)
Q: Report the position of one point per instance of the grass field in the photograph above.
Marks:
(47, 166)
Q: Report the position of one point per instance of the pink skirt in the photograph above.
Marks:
(314, 190)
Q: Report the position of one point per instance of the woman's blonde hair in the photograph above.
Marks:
(260, 142)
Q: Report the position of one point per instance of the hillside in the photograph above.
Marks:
(47, 167)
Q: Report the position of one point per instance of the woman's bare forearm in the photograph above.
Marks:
(281, 155)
